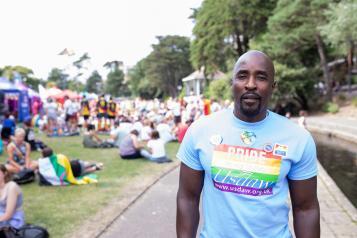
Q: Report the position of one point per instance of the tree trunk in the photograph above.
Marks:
(245, 36)
(239, 48)
(350, 64)
(302, 100)
(325, 70)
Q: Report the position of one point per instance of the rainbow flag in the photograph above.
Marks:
(56, 171)
(244, 170)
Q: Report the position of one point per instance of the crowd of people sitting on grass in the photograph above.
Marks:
(137, 129)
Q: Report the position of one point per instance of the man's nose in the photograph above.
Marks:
(251, 83)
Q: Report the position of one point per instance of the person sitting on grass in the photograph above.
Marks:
(130, 146)
(19, 154)
(156, 148)
(92, 140)
(117, 134)
(30, 135)
(11, 213)
(79, 168)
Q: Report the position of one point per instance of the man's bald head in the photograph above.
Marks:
(255, 55)
(252, 85)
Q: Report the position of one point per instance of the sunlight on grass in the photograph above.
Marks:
(61, 209)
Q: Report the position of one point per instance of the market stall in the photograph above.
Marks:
(14, 99)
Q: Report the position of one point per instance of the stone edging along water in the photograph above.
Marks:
(334, 190)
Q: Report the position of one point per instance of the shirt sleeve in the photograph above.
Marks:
(306, 167)
(188, 154)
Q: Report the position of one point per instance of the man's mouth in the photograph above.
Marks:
(251, 98)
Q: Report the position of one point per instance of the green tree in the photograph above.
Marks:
(25, 73)
(33, 82)
(294, 41)
(79, 64)
(10, 71)
(220, 89)
(94, 83)
(136, 75)
(223, 29)
(341, 30)
(139, 84)
(76, 85)
(114, 84)
(59, 78)
(167, 64)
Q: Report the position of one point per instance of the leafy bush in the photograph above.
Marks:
(331, 107)
(354, 101)
(220, 89)
(354, 79)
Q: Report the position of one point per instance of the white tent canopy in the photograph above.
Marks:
(193, 82)
(198, 74)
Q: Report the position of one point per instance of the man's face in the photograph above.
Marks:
(252, 85)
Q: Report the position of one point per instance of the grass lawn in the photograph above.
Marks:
(61, 209)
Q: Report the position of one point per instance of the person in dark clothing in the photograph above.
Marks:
(8, 128)
(30, 136)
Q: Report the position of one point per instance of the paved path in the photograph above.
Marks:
(153, 215)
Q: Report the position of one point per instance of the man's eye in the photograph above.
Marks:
(241, 76)
(261, 77)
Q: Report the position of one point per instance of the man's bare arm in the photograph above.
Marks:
(188, 200)
(305, 207)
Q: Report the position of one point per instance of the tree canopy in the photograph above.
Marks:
(160, 73)
(114, 85)
(94, 83)
(224, 28)
(58, 77)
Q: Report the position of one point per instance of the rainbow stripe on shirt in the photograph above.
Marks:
(245, 170)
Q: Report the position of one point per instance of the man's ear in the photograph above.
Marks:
(274, 85)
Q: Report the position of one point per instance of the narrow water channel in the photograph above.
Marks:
(339, 159)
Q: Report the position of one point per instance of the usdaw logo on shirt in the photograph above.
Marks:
(281, 150)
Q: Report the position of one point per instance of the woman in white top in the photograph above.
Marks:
(156, 147)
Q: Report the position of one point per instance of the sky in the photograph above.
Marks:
(34, 32)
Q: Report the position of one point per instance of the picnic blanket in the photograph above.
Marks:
(56, 171)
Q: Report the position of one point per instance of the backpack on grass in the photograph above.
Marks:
(24, 176)
(32, 231)
(26, 231)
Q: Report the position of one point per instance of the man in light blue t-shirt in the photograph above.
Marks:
(245, 161)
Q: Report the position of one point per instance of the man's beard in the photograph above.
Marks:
(249, 111)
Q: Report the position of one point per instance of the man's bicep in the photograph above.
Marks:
(303, 193)
(191, 181)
